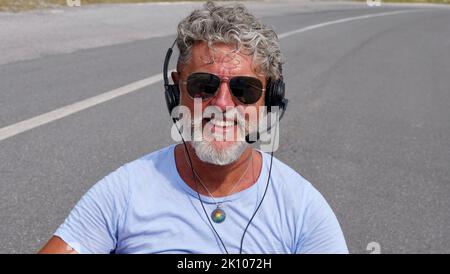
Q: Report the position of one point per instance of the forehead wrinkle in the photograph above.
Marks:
(222, 67)
(200, 50)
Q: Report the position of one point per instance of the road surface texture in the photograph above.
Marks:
(368, 122)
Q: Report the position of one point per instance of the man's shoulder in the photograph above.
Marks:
(284, 173)
(162, 155)
(143, 168)
(150, 161)
(287, 180)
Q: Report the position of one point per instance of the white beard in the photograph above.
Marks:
(206, 152)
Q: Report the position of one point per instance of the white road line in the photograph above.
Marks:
(59, 113)
(348, 19)
(17, 128)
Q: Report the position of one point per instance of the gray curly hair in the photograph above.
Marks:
(231, 24)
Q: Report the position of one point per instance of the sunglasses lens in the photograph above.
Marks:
(247, 89)
(202, 85)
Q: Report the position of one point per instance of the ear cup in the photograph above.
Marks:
(275, 92)
(172, 95)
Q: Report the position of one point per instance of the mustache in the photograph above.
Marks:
(229, 115)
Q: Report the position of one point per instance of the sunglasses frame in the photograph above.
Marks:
(226, 79)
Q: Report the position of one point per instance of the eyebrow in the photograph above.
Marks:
(223, 75)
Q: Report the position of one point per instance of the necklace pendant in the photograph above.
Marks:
(218, 215)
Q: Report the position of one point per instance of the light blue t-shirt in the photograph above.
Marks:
(145, 207)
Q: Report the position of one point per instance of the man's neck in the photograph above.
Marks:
(219, 180)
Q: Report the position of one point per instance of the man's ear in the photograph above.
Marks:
(175, 77)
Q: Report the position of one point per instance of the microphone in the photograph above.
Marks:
(247, 138)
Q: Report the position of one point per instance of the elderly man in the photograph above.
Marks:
(214, 194)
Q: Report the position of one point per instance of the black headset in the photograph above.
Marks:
(274, 90)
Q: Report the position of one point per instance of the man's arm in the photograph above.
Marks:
(92, 224)
(57, 246)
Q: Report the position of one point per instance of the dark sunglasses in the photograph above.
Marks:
(248, 90)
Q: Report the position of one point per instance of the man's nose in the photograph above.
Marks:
(223, 98)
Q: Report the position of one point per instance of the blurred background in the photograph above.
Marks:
(368, 122)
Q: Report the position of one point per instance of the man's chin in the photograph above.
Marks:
(219, 152)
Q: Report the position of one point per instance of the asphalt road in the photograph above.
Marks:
(368, 122)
